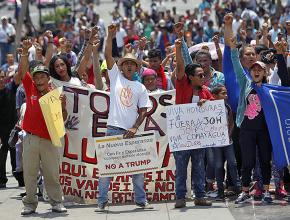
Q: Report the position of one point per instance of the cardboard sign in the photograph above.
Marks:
(192, 127)
(50, 105)
(118, 156)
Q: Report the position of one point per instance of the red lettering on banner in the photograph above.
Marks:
(160, 196)
(159, 175)
(80, 183)
(126, 186)
(166, 157)
(115, 186)
(76, 93)
(65, 180)
(91, 195)
(97, 124)
(148, 177)
(85, 157)
(99, 114)
(163, 103)
(91, 185)
(67, 190)
(95, 173)
(122, 178)
(73, 169)
(170, 175)
(150, 120)
(146, 186)
(122, 197)
(92, 106)
(66, 148)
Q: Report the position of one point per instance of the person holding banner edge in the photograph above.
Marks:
(129, 101)
(37, 145)
(190, 89)
(250, 118)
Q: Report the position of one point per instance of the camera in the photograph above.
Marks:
(269, 56)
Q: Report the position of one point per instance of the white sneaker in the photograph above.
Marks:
(27, 211)
(59, 208)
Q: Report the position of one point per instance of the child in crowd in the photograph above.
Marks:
(222, 154)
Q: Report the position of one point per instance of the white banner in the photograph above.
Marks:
(79, 171)
(118, 156)
(191, 127)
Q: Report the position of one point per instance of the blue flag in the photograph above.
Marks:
(276, 106)
(230, 79)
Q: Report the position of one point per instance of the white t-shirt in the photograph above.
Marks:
(75, 81)
(9, 30)
(236, 24)
(120, 35)
(125, 98)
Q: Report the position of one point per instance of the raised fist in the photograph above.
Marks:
(228, 19)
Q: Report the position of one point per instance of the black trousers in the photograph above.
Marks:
(3, 157)
(249, 140)
(238, 155)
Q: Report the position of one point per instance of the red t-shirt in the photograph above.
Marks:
(184, 92)
(33, 121)
(91, 77)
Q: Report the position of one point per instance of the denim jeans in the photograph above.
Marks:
(210, 162)
(198, 172)
(137, 179)
(222, 154)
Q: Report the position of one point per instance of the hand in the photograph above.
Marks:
(280, 36)
(26, 44)
(178, 27)
(259, 35)
(281, 46)
(228, 19)
(177, 43)
(130, 133)
(243, 34)
(49, 35)
(142, 43)
(38, 49)
(112, 30)
(201, 102)
(88, 33)
(62, 98)
(128, 48)
(95, 30)
(171, 55)
(265, 27)
(216, 39)
(96, 44)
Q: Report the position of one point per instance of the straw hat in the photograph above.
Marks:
(129, 57)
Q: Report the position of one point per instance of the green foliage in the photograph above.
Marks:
(57, 17)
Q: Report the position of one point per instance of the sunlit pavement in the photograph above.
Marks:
(11, 204)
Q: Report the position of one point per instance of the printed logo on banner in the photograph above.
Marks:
(275, 102)
(285, 128)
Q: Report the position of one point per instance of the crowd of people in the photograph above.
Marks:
(141, 52)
